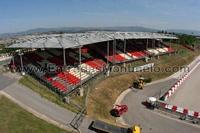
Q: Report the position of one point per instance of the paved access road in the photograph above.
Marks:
(150, 121)
(188, 94)
(6, 79)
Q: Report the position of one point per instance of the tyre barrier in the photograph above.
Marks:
(178, 83)
(191, 113)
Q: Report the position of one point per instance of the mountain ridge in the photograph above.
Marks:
(84, 29)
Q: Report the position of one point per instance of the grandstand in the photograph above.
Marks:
(67, 61)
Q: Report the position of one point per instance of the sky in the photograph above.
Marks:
(22, 15)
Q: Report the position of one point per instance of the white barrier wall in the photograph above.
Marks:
(178, 83)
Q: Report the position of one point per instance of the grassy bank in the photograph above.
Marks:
(16, 120)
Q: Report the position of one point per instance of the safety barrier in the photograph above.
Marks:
(178, 83)
(178, 112)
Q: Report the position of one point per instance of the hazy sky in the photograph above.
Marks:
(20, 15)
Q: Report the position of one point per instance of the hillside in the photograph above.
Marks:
(84, 29)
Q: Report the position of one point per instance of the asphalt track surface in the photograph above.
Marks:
(150, 121)
(187, 96)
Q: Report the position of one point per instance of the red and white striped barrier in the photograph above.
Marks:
(178, 83)
(181, 110)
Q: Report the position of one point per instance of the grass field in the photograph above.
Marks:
(14, 119)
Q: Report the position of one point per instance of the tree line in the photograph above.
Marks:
(184, 38)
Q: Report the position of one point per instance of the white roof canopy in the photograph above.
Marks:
(79, 39)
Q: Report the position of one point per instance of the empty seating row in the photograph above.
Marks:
(36, 70)
(56, 61)
(100, 62)
(73, 80)
(170, 49)
(56, 52)
(88, 68)
(75, 56)
(153, 51)
(103, 53)
(48, 77)
(94, 65)
(119, 57)
(59, 85)
(132, 51)
(79, 74)
(43, 54)
(111, 57)
(85, 49)
(136, 54)
(43, 62)
(126, 56)
(34, 57)
(162, 50)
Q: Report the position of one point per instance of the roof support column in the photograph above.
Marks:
(108, 49)
(64, 57)
(21, 61)
(170, 42)
(153, 43)
(114, 49)
(67, 89)
(80, 65)
(124, 50)
(147, 44)
(13, 60)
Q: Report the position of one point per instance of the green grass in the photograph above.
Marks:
(16, 120)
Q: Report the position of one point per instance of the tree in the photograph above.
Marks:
(187, 39)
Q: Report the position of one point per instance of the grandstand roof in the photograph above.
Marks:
(80, 39)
